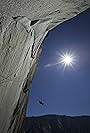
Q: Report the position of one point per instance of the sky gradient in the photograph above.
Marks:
(63, 92)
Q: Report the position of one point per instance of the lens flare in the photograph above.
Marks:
(67, 59)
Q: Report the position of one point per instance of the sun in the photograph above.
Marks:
(67, 59)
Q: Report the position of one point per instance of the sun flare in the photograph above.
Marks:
(67, 59)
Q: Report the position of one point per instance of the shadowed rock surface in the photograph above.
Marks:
(23, 27)
(57, 124)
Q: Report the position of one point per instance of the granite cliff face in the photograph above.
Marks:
(23, 27)
(57, 124)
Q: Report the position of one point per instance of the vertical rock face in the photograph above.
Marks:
(15, 62)
(23, 26)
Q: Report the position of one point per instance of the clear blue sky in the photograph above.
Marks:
(63, 92)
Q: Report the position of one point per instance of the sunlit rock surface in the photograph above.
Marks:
(23, 26)
(57, 124)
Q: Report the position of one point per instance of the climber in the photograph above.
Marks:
(40, 102)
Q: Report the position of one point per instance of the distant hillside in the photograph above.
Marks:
(57, 124)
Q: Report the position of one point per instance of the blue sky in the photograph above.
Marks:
(63, 92)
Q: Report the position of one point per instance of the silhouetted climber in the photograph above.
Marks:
(40, 102)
